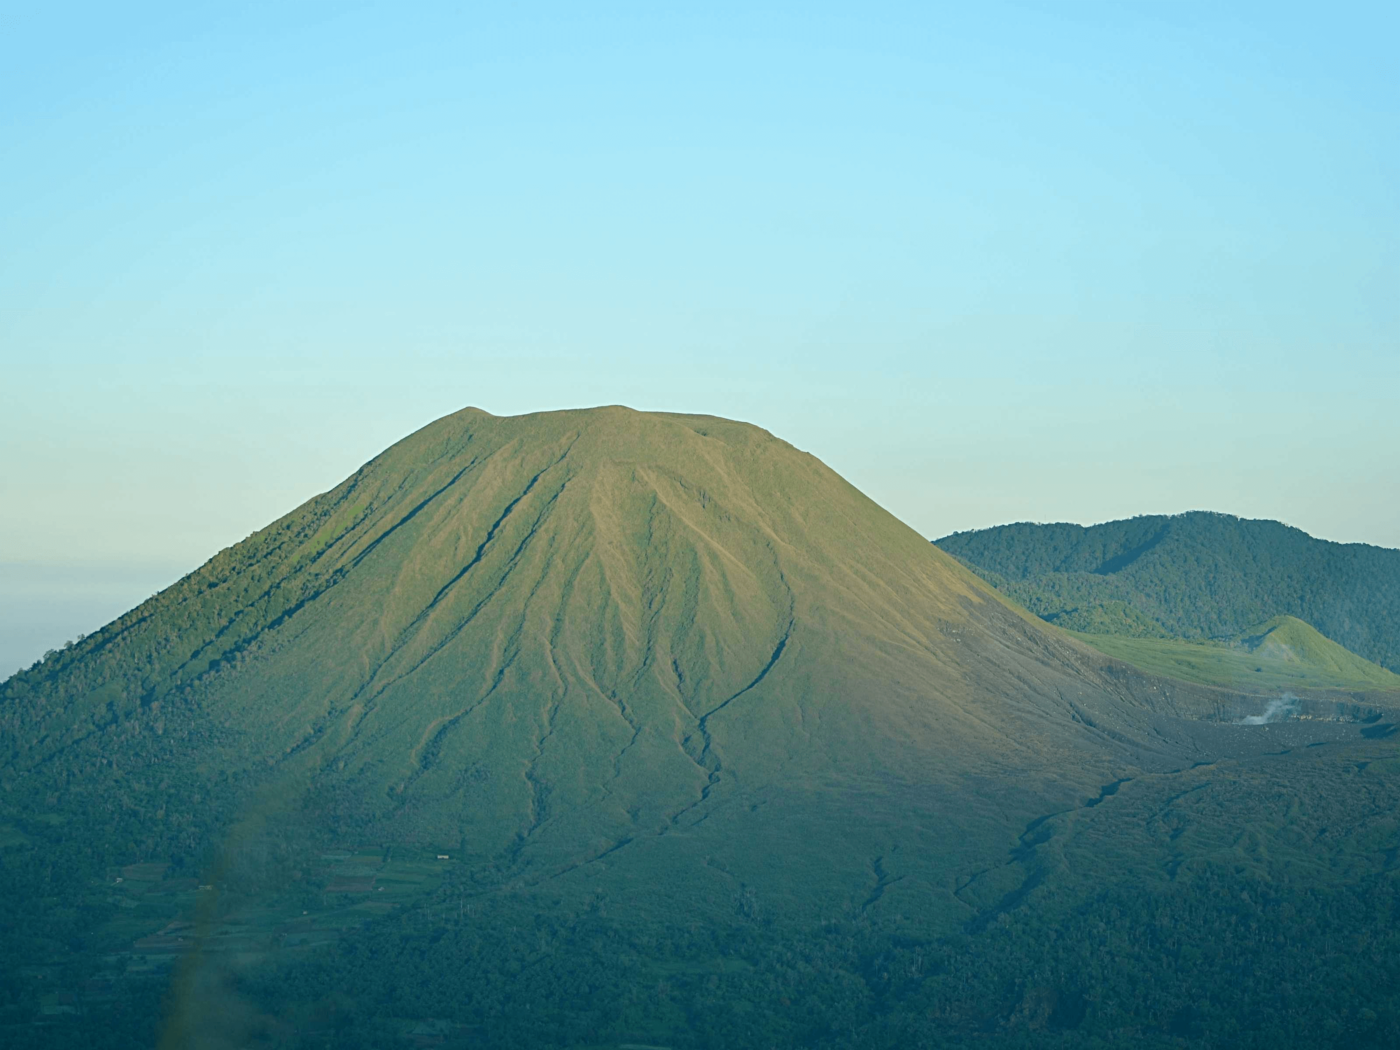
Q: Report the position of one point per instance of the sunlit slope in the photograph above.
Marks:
(1281, 653)
(539, 640)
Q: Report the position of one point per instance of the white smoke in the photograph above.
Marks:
(1275, 710)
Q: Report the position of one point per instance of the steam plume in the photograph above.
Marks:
(1276, 710)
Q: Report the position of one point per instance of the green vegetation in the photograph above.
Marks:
(1196, 576)
(1140, 918)
(1284, 653)
(605, 728)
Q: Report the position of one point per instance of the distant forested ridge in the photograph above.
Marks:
(1195, 575)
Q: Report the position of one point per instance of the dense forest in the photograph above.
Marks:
(1248, 905)
(1196, 575)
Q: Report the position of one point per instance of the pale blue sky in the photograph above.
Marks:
(993, 262)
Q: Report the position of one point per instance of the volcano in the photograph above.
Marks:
(662, 667)
(604, 637)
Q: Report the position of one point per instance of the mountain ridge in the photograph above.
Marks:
(1195, 575)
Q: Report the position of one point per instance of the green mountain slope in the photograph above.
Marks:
(1283, 653)
(542, 641)
(1198, 575)
(608, 728)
